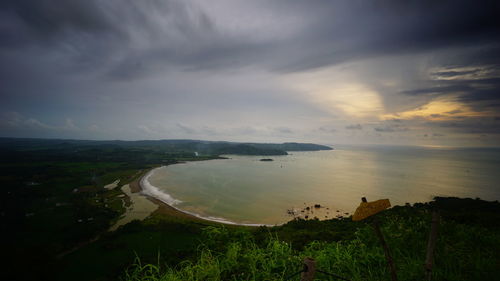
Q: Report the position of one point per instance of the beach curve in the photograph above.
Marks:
(165, 199)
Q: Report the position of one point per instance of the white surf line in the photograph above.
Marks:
(150, 190)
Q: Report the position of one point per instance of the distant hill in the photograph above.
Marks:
(169, 146)
(294, 146)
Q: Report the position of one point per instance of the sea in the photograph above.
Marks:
(323, 184)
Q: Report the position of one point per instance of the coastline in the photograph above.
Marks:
(163, 208)
(166, 208)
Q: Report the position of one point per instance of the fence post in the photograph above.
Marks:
(431, 244)
(309, 270)
(380, 236)
(388, 256)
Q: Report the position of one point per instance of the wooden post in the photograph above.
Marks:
(431, 244)
(309, 270)
(388, 256)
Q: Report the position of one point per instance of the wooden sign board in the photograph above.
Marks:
(367, 209)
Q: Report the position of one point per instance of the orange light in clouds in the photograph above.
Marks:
(437, 110)
(352, 99)
(337, 91)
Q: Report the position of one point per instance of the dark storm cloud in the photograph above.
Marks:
(27, 22)
(178, 33)
(344, 31)
(452, 74)
(327, 129)
(438, 90)
(125, 38)
(354, 127)
(283, 130)
(391, 128)
(65, 58)
(479, 55)
(482, 125)
(482, 95)
(478, 88)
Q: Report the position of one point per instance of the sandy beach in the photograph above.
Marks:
(163, 208)
(170, 211)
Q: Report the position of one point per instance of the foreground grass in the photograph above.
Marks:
(467, 249)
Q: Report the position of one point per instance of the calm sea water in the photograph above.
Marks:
(245, 190)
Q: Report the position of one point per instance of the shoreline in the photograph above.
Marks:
(163, 208)
(166, 208)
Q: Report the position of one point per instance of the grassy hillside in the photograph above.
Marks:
(166, 248)
(467, 248)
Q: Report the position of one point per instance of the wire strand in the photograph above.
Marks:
(293, 275)
(333, 275)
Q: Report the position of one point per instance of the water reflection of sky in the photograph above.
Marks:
(244, 189)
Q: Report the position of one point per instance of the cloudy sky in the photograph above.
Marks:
(392, 72)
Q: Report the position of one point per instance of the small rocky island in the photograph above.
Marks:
(266, 159)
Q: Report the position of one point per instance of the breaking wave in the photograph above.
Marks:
(153, 191)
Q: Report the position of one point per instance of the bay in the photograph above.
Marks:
(245, 190)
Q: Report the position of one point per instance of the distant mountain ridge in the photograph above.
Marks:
(180, 145)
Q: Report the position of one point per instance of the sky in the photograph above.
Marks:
(330, 72)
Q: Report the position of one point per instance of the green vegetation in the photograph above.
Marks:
(244, 149)
(467, 248)
(147, 151)
(53, 200)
